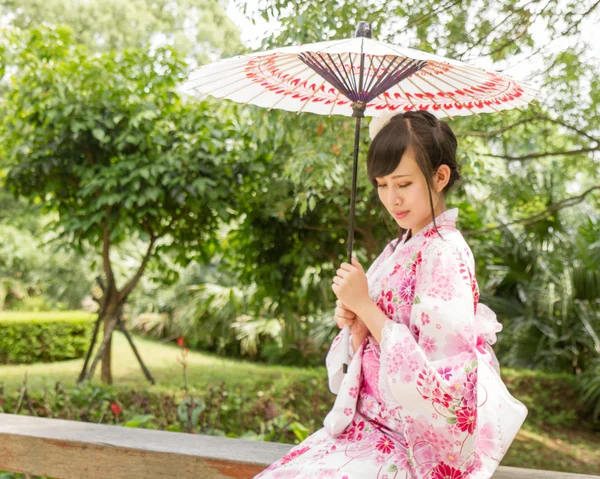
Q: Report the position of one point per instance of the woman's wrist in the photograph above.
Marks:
(373, 317)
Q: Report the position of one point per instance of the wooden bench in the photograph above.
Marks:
(78, 450)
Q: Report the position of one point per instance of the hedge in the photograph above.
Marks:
(29, 337)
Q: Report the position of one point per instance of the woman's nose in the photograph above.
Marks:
(394, 197)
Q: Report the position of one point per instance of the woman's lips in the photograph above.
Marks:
(401, 214)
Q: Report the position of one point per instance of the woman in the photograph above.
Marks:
(422, 397)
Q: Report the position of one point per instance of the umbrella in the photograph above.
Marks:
(358, 77)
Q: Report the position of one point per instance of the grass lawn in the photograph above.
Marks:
(537, 445)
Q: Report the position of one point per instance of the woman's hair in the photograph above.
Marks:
(432, 142)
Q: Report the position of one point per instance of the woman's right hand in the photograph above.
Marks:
(345, 317)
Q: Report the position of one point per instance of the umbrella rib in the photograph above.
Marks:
(475, 70)
(246, 86)
(377, 91)
(339, 76)
(265, 91)
(334, 104)
(293, 89)
(373, 81)
(407, 96)
(348, 84)
(470, 86)
(292, 59)
(454, 100)
(323, 69)
(370, 79)
(419, 88)
(313, 94)
(352, 76)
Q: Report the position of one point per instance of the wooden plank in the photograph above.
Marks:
(74, 450)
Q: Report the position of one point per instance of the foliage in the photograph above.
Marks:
(114, 152)
(196, 29)
(37, 276)
(46, 337)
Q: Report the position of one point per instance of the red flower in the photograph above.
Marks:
(180, 342)
(388, 295)
(417, 262)
(385, 445)
(466, 418)
(116, 409)
(444, 471)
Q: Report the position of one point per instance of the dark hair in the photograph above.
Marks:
(432, 142)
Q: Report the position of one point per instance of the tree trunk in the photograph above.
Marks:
(109, 326)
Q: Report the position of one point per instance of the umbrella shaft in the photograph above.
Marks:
(350, 243)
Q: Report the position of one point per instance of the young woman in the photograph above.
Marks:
(422, 397)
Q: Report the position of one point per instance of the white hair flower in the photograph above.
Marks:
(378, 122)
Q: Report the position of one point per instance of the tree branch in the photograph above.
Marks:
(108, 271)
(527, 120)
(533, 156)
(134, 281)
(567, 202)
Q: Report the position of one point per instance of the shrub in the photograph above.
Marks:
(44, 337)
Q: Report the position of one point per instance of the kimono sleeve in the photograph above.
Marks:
(428, 371)
(335, 357)
(335, 360)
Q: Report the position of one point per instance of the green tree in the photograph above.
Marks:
(108, 145)
(198, 29)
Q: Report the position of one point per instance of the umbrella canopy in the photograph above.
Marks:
(358, 77)
(324, 78)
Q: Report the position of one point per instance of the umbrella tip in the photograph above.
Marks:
(363, 30)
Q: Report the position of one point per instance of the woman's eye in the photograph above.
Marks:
(380, 186)
(404, 186)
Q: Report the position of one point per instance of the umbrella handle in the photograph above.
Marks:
(346, 348)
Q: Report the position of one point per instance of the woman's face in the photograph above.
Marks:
(405, 195)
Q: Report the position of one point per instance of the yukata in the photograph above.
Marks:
(428, 401)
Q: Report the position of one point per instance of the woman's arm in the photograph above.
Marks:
(374, 318)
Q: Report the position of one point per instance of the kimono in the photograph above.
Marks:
(427, 402)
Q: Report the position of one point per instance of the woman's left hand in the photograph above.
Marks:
(351, 286)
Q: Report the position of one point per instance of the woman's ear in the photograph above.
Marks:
(441, 177)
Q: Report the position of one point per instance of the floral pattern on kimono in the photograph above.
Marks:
(428, 402)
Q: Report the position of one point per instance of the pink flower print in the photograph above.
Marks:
(348, 411)
(425, 319)
(390, 309)
(431, 232)
(446, 372)
(466, 419)
(481, 345)
(469, 391)
(428, 344)
(438, 326)
(385, 445)
(354, 431)
(388, 295)
(293, 454)
(444, 471)
(452, 458)
(406, 291)
(353, 392)
(380, 459)
(416, 332)
(413, 365)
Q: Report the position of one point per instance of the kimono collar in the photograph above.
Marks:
(446, 219)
